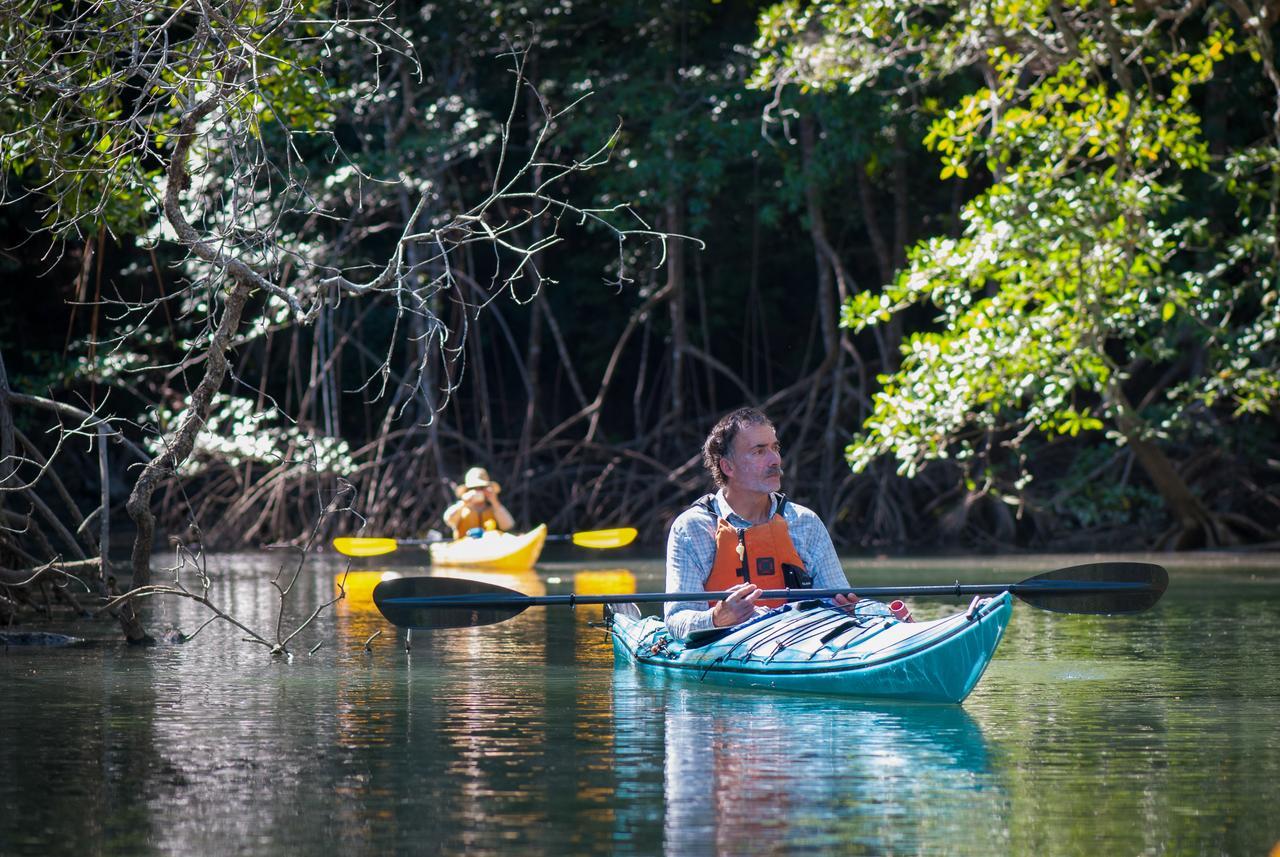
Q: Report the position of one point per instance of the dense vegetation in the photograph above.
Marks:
(1023, 253)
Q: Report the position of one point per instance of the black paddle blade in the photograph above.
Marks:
(406, 602)
(1096, 588)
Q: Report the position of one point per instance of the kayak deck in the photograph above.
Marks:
(812, 647)
(496, 550)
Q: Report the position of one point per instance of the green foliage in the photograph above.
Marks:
(91, 96)
(1031, 296)
(1081, 261)
(1092, 199)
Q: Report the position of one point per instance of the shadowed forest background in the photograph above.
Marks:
(1014, 262)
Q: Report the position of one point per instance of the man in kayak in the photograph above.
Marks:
(746, 537)
(478, 506)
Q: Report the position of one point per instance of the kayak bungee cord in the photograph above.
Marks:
(791, 633)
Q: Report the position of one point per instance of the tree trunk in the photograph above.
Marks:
(533, 347)
(1198, 526)
(104, 523)
(676, 301)
(179, 445)
(8, 463)
(831, 276)
(901, 239)
(871, 221)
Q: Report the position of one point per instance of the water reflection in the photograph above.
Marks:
(590, 646)
(356, 618)
(355, 588)
(741, 769)
(1155, 734)
(606, 581)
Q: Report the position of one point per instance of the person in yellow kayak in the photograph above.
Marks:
(747, 537)
(478, 508)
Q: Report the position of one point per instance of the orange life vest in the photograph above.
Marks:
(470, 519)
(762, 554)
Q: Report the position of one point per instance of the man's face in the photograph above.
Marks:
(754, 460)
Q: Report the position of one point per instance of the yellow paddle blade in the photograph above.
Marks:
(618, 538)
(361, 546)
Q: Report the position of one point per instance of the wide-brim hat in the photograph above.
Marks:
(477, 477)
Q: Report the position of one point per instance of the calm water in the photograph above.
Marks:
(1156, 734)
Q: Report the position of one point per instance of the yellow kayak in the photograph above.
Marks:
(506, 551)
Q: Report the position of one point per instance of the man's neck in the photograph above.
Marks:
(751, 505)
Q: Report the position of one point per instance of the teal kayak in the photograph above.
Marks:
(813, 647)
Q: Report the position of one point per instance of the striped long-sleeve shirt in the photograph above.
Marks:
(691, 551)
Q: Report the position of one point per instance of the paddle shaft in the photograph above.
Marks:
(956, 590)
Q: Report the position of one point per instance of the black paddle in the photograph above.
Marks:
(431, 603)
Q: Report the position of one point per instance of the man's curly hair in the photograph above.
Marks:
(722, 435)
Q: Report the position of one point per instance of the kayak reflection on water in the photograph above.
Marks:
(744, 769)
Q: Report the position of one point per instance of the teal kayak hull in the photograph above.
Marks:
(804, 648)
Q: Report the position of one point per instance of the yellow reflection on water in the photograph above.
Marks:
(527, 582)
(365, 697)
(358, 586)
(593, 646)
(357, 619)
(609, 581)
